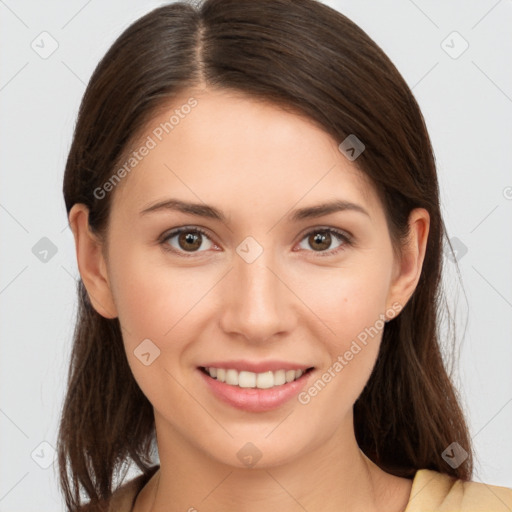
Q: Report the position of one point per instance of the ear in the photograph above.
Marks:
(408, 268)
(91, 262)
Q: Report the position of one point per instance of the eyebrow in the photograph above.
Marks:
(204, 210)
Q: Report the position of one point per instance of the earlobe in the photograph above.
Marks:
(91, 262)
(411, 261)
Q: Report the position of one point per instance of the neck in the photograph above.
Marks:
(332, 477)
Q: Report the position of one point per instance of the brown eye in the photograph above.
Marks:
(189, 240)
(320, 241)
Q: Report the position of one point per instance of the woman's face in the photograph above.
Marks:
(266, 288)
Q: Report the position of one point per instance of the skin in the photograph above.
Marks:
(256, 162)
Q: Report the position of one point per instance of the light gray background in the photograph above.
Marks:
(467, 103)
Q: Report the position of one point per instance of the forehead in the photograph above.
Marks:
(220, 146)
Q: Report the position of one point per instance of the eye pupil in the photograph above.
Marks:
(323, 238)
(190, 237)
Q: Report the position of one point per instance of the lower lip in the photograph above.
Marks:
(255, 399)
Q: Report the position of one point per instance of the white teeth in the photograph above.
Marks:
(290, 375)
(265, 380)
(279, 377)
(232, 377)
(245, 379)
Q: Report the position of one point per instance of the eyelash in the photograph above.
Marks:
(340, 235)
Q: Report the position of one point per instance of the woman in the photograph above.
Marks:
(255, 207)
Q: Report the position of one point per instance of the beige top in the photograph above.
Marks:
(431, 492)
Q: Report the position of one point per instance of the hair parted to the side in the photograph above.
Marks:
(301, 55)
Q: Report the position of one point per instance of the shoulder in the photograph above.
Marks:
(432, 491)
(123, 497)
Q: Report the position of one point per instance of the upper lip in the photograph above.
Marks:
(257, 367)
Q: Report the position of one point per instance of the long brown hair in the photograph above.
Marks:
(309, 58)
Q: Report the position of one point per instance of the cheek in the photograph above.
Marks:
(153, 304)
(162, 304)
(350, 302)
(347, 299)
(151, 297)
(351, 350)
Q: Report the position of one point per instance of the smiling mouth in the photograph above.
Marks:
(246, 379)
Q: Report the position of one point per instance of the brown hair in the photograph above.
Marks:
(309, 58)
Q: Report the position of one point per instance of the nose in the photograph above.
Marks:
(257, 305)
